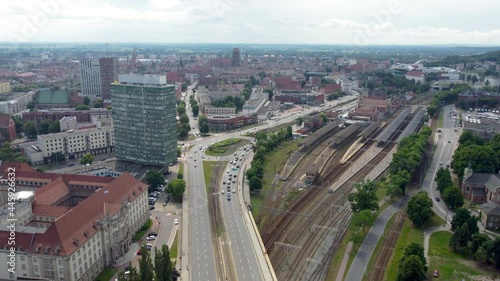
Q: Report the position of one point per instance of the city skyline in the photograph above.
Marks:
(397, 22)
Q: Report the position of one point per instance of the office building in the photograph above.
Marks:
(97, 75)
(4, 87)
(69, 227)
(109, 74)
(144, 111)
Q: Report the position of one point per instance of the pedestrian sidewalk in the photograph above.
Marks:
(427, 236)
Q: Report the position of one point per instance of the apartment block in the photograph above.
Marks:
(74, 144)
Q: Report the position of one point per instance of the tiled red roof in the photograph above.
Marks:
(51, 192)
(414, 74)
(17, 165)
(72, 224)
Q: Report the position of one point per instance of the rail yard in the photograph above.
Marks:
(301, 237)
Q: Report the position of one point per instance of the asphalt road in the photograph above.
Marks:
(447, 141)
(201, 250)
(244, 257)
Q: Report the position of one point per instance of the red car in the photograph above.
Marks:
(138, 252)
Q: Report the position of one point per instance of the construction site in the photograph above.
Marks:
(303, 235)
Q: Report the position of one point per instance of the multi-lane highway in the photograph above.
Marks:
(201, 251)
(447, 141)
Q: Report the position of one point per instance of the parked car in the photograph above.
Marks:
(153, 234)
(436, 273)
(176, 221)
(437, 199)
(150, 238)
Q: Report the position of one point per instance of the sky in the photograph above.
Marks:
(358, 22)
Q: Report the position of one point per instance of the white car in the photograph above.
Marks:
(234, 191)
(176, 221)
(222, 191)
(150, 238)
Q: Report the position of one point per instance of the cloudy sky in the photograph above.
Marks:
(403, 22)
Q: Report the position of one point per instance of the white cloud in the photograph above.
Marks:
(259, 21)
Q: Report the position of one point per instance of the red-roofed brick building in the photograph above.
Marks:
(70, 227)
(7, 128)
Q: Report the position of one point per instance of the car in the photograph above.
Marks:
(223, 183)
(449, 141)
(227, 171)
(151, 207)
(229, 198)
(203, 157)
(190, 155)
(152, 234)
(194, 159)
(150, 238)
(237, 166)
(176, 221)
(437, 199)
(138, 252)
(231, 162)
(165, 203)
(234, 191)
(441, 163)
(436, 273)
(234, 181)
(222, 191)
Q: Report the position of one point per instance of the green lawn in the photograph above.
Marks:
(408, 234)
(173, 249)
(106, 274)
(381, 191)
(440, 120)
(208, 171)
(226, 147)
(272, 166)
(452, 266)
(181, 168)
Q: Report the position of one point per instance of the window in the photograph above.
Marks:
(23, 267)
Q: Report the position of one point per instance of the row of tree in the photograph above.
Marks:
(194, 105)
(467, 240)
(161, 269)
(478, 103)
(230, 101)
(446, 97)
(183, 126)
(451, 194)
(10, 153)
(405, 161)
(203, 125)
(264, 144)
(31, 130)
(482, 155)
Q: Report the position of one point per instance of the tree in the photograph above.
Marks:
(474, 79)
(146, 268)
(362, 219)
(453, 197)
(196, 110)
(10, 153)
(299, 121)
(98, 104)
(43, 127)
(460, 218)
(82, 107)
(86, 101)
(203, 124)
(364, 197)
(176, 188)
(253, 81)
(54, 127)
(415, 249)
(19, 123)
(30, 130)
(411, 269)
(477, 241)
(255, 183)
(154, 178)
(323, 117)
(163, 264)
(184, 118)
(419, 208)
(460, 238)
(289, 132)
(87, 159)
(443, 179)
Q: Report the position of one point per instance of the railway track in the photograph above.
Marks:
(288, 231)
(383, 256)
(223, 258)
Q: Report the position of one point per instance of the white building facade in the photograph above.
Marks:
(90, 77)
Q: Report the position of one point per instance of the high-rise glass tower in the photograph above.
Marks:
(144, 110)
